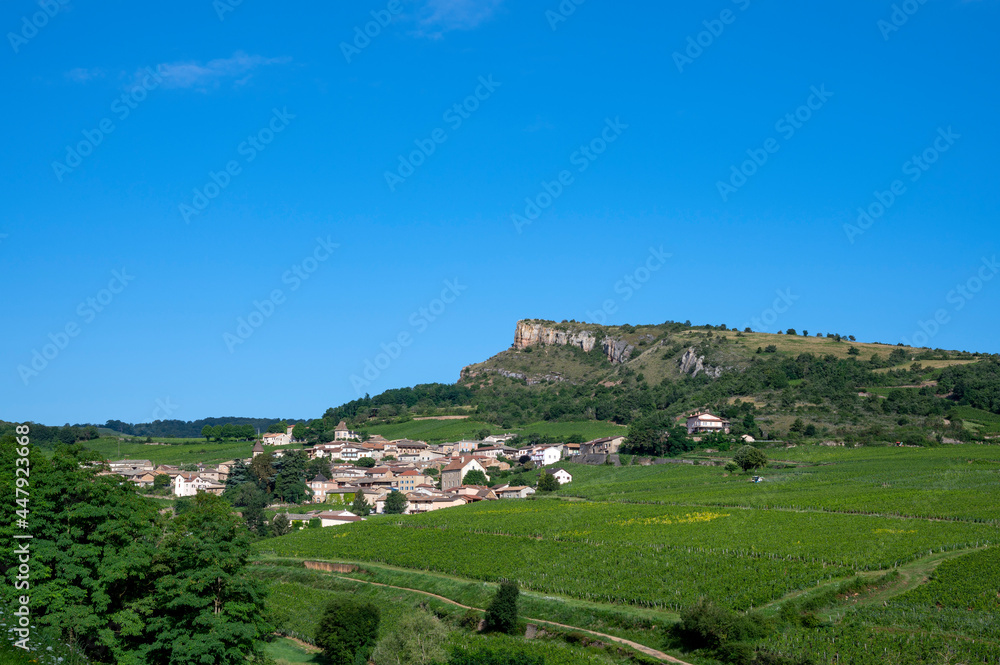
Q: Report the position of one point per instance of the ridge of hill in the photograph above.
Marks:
(785, 386)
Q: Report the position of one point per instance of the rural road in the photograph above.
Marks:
(620, 640)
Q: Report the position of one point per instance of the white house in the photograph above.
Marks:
(338, 518)
(498, 451)
(277, 439)
(706, 423)
(499, 438)
(562, 475)
(189, 484)
(545, 455)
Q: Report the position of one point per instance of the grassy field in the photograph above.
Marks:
(438, 431)
(981, 422)
(175, 453)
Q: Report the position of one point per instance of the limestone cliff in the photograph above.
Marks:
(691, 363)
(528, 334)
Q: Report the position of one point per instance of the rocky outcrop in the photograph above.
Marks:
(617, 350)
(469, 373)
(529, 334)
(535, 334)
(691, 363)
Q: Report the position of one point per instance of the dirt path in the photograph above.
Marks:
(620, 640)
(911, 575)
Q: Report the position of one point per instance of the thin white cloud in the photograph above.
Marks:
(440, 16)
(83, 74)
(239, 66)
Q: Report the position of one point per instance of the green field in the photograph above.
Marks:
(981, 422)
(657, 538)
(439, 431)
(196, 450)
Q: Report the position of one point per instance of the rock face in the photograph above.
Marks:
(617, 350)
(532, 334)
(691, 363)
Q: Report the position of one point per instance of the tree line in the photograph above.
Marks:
(123, 582)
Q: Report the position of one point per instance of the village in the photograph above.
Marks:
(430, 477)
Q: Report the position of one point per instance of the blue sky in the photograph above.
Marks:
(169, 168)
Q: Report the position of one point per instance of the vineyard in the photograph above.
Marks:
(661, 537)
(656, 556)
(950, 482)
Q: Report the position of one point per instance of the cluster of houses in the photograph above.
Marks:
(143, 473)
(431, 477)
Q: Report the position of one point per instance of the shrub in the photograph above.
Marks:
(501, 615)
(347, 631)
(418, 639)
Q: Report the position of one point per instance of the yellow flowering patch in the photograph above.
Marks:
(893, 531)
(689, 518)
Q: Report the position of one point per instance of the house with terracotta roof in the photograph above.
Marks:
(423, 503)
(276, 439)
(408, 480)
(453, 475)
(189, 484)
(706, 423)
(515, 492)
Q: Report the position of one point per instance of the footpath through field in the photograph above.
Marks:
(620, 640)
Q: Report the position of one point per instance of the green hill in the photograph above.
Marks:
(788, 386)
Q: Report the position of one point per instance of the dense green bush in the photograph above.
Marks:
(347, 631)
(501, 615)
